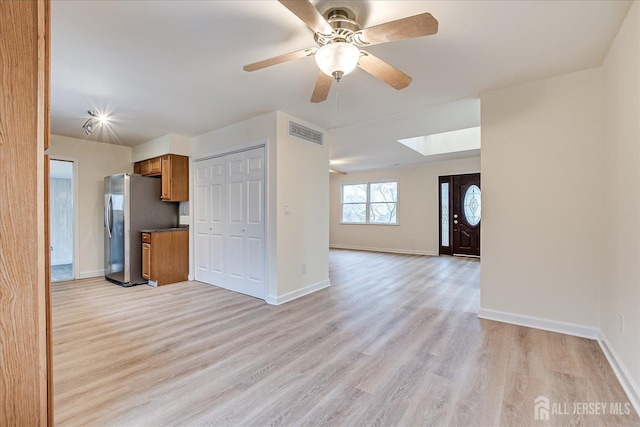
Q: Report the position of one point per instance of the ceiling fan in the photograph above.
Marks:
(340, 39)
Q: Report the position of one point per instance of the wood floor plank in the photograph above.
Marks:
(394, 341)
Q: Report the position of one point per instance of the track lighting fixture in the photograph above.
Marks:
(96, 119)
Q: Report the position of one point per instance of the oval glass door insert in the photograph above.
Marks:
(472, 206)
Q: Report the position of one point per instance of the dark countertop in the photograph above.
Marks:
(162, 230)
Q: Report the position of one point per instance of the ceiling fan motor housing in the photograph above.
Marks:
(344, 25)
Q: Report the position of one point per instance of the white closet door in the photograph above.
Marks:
(210, 221)
(235, 226)
(254, 235)
(230, 229)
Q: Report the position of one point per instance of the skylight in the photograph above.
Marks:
(446, 142)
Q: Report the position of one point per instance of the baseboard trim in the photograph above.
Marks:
(89, 274)
(538, 323)
(277, 300)
(626, 381)
(386, 250)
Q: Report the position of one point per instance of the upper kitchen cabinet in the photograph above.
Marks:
(174, 172)
(175, 178)
(151, 167)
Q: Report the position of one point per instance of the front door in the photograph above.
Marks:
(460, 214)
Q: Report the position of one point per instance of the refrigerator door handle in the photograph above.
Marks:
(107, 215)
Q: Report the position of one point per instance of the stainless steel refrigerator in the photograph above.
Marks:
(131, 203)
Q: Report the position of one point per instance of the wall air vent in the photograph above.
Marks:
(303, 132)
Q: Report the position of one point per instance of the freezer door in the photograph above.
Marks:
(114, 229)
(108, 220)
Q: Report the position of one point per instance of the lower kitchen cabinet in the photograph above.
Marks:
(165, 256)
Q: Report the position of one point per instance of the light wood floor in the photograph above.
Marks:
(395, 341)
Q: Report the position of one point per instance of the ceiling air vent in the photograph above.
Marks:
(303, 132)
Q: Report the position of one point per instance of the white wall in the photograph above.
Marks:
(94, 161)
(167, 144)
(303, 235)
(620, 292)
(541, 192)
(417, 232)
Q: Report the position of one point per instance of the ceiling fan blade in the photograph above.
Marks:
(279, 59)
(321, 91)
(304, 10)
(406, 28)
(383, 71)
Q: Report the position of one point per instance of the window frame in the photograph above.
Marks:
(368, 202)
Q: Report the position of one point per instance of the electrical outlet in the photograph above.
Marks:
(621, 318)
(184, 208)
(304, 268)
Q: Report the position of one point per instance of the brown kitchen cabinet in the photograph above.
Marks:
(173, 170)
(151, 167)
(165, 256)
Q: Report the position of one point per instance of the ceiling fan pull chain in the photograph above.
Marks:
(338, 94)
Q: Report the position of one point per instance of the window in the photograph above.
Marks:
(370, 203)
(444, 213)
(472, 206)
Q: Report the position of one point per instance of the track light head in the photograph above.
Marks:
(94, 119)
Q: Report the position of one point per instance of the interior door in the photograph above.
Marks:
(460, 214)
(235, 224)
(210, 221)
(245, 223)
(229, 217)
(466, 214)
(255, 229)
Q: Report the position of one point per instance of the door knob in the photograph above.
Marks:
(455, 215)
(455, 221)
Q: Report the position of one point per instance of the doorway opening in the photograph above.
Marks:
(61, 201)
(460, 214)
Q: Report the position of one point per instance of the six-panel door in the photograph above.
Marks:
(229, 216)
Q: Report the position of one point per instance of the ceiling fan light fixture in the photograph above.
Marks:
(337, 59)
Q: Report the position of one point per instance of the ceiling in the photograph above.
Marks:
(161, 67)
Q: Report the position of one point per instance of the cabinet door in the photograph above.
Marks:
(145, 168)
(166, 178)
(146, 261)
(155, 166)
(179, 178)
